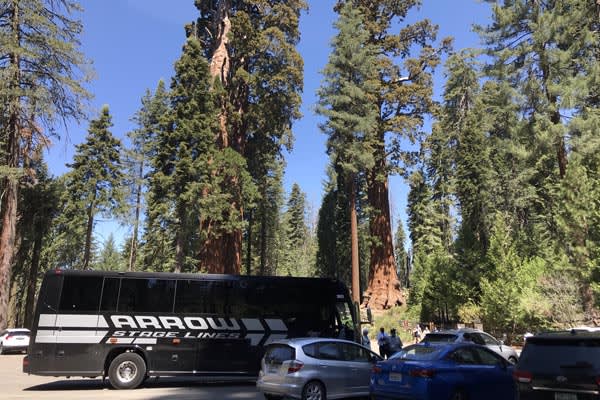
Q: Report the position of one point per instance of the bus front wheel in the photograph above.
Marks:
(126, 371)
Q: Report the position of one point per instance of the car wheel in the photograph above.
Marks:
(126, 371)
(513, 360)
(1, 349)
(313, 390)
(459, 395)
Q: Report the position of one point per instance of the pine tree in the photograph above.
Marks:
(40, 85)
(110, 258)
(333, 231)
(180, 173)
(257, 72)
(346, 101)
(38, 207)
(144, 142)
(94, 186)
(548, 53)
(401, 255)
(403, 97)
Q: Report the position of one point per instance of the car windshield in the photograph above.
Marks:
(440, 338)
(564, 354)
(417, 353)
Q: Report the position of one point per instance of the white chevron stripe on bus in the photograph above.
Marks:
(276, 325)
(80, 337)
(72, 321)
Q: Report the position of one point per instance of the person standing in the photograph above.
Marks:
(365, 341)
(382, 342)
(417, 333)
(395, 343)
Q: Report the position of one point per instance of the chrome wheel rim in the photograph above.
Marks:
(126, 371)
(314, 392)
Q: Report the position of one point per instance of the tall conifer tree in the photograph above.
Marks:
(403, 97)
(257, 72)
(346, 101)
(94, 185)
(40, 84)
(144, 141)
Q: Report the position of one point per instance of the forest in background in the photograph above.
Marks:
(504, 203)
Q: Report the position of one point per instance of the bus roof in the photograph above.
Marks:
(193, 276)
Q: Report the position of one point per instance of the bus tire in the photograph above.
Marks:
(127, 371)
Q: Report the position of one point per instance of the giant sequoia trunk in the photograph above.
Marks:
(222, 251)
(384, 288)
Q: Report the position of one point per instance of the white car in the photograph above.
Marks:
(14, 340)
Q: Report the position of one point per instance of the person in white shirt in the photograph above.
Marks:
(365, 341)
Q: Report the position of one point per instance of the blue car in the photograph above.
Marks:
(456, 371)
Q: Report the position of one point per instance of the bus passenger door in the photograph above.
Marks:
(42, 346)
(79, 327)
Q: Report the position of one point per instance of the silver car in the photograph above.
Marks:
(475, 336)
(315, 369)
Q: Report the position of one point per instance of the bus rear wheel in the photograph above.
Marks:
(127, 371)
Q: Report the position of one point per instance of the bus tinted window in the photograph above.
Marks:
(80, 294)
(49, 294)
(206, 297)
(146, 295)
(110, 294)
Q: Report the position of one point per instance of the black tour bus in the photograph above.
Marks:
(129, 326)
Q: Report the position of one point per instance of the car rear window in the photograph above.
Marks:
(19, 332)
(418, 353)
(440, 338)
(277, 354)
(560, 353)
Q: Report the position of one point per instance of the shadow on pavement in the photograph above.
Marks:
(163, 382)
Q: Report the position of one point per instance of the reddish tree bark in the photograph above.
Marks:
(10, 196)
(384, 289)
(222, 251)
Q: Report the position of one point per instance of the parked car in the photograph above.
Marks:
(475, 336)
(14, 339)
(443, 371)
(560, 366)
(315, 369)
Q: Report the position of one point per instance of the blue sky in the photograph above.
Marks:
(134, 43)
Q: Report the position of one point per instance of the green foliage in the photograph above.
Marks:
(144, 140)
(510, 288)
(394, 318)
(93, 187)
(110, 258)
(298, 238)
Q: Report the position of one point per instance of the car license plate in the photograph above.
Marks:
(395, 377)
(565, 396)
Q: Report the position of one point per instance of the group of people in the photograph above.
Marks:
(390, 344)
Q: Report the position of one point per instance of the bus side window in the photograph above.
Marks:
(49, 294)
(110, 293)
(80, 294)
(192, 297)
(146, 295)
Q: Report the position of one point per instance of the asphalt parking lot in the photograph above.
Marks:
(14, 384)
